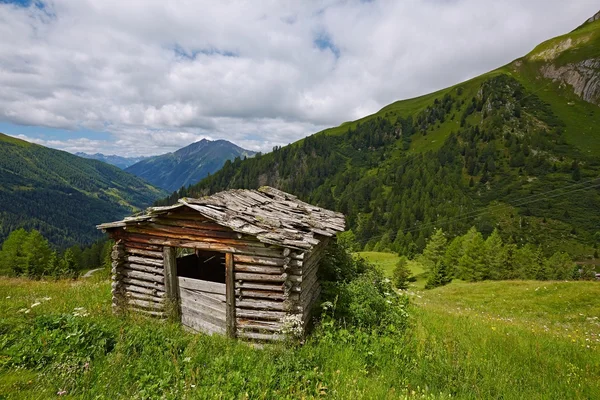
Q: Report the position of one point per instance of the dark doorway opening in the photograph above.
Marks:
(203, 265)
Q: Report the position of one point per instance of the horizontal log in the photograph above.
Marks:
(249, 325)
(191, 235)
(145, 297)
(143, 246)
(200, 285)
(260, 294)
(262, 304)
(192, 232)
(259, 269)
(237, 249)
(268, 261)
(142, 276)
(190, 223)
(142, 283)
(145, 261)
(259, 286)
(144, 268)
(145, 253)
(143, 290)
(259, 277)
(200, 314)
(152, 313)
(201, 326)
(260, 314)
(145, 304)
(268, 337)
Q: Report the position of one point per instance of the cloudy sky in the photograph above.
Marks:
(141, 77)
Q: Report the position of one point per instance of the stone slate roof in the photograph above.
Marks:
(272, 216)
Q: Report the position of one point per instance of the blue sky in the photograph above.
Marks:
(145, 77)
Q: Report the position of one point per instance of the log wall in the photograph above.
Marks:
(270, 282)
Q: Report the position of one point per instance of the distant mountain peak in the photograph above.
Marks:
(189, 164)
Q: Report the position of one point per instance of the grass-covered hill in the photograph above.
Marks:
(61, 195)
(517, 148)
(509, 340)
(188, 165)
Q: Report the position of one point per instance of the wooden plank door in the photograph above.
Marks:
(203, 305)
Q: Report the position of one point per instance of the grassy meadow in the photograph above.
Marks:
(510, 340)
(387, 262)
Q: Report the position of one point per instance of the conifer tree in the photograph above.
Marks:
(439, 276)
(434, 250)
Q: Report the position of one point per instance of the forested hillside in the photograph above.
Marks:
(61, 195)
(187, 165)
(516, 149)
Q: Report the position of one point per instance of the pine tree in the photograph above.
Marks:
(401, 274)
(472, 263)
(439, 276)
(495, 256)
(12, 258)
(454, 252)
(434, 250)
(560, 266)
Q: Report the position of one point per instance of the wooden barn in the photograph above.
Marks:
(240, 262)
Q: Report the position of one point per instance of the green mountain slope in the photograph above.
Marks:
(187, 165)
(62, 195)
(516, 149)
(117, 161)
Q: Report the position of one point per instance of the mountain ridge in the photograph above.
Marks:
(189, 164)
(112, 159)
(464, 155)
(62, 195)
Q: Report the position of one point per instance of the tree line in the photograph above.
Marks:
(29, 254)
(473, 258)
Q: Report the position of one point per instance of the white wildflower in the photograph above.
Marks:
(27, 311)
(37, 303)
(187, 359)
(292, 326)
(22, 310)
(8, 297)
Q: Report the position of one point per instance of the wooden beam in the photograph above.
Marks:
(171, 287)
(230, 294)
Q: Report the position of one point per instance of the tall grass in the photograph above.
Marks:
(472, 353)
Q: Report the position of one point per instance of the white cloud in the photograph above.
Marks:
(158, 75)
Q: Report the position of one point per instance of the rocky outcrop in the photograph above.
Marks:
(583, 77)
(595, 17)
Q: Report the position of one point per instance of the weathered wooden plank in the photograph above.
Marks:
(180, 231)
(198, 304)
(260, 277)
(204, 298)
(146, 297)
(269, 337)
(246, 324)
(170, 279)
(259, 314)
(230, 294)
(144, 284)
(262, 304)
(191, 235)
(191, 293)
(269, 261)
(146, 261)
(152, 313)
(142, 246)
(201, 326)
(145, 304)
(144, 268)
(143, 290)
(145, 253)
(201, 245)
(203, 286)
(142, 275)
(201, 315)
(259, 269)
(258, 285)
(184, 222)
(261, 294)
